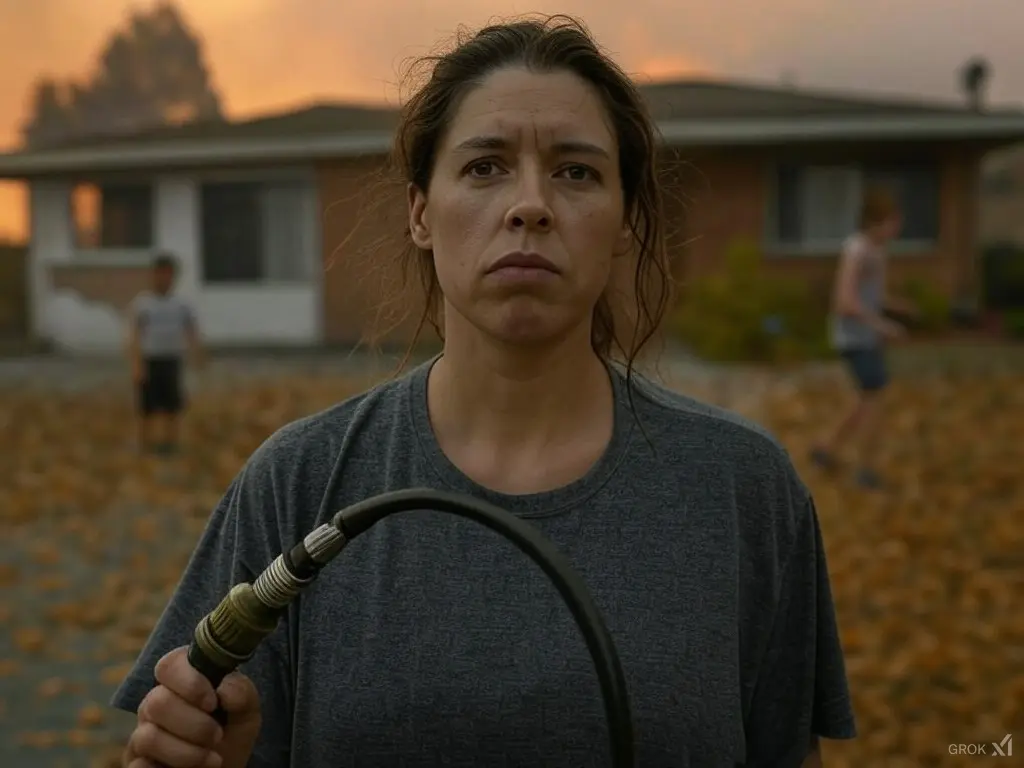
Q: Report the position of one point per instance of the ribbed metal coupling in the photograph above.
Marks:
(324, 543)
(276, 587)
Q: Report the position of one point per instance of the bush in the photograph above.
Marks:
(1013, 323)
(1002, 276)
(932, 305)
(743, 313)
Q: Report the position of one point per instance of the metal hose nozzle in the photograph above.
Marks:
(230, 634)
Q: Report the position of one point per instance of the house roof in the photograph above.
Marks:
(711, 99)
(689, 113)
(315, 120)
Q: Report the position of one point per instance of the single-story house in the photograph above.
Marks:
(280, 223)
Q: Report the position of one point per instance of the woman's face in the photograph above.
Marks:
(524, 211)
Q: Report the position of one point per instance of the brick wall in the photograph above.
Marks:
(728, 194)
(115, 286)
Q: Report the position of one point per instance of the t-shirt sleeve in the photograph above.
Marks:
(236, 536)
(801, 690)
(854, 255)
(136, 311)
(188, 315)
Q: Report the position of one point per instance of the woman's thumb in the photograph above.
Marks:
(241, 703)
(238, 695)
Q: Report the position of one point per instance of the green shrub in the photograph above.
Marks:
(744, 313)
(1002, 276)
(1013, 323)
(932, 305)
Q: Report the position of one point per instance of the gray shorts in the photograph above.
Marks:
(867, 367)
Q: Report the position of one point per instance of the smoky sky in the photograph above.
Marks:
(270, 54)
(267, 53)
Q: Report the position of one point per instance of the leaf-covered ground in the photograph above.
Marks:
(928, 577)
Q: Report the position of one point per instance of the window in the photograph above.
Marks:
(113, 215)
(254, 232)
(999, 183)
(916, 189)
(817, 207)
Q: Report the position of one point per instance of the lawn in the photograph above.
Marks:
(927, 578)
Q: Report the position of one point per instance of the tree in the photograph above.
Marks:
(53, 114)
(150, 73)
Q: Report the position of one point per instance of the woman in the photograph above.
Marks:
(430, 641)
(860, 330)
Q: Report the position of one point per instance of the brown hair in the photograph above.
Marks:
(554, 43)
(878, 206)
(164, 260)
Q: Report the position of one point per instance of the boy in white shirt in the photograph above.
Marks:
(162, 331)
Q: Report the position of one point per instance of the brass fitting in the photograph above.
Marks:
(231, 632)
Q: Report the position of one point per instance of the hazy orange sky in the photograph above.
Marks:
(268, 54)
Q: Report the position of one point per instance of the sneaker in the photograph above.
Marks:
(823, 459)
(869, 479)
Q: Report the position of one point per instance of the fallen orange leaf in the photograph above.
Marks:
(80, 738)
(39, 739)
(46, 554)
(9, 575)
(115, 675)
(51, 687)
(29, 639)
(51, 583)
(91, 716)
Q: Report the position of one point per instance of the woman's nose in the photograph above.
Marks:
(530, 209)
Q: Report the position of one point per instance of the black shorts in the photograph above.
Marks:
(161, 392)
(867, 367)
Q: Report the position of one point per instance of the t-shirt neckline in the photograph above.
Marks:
(531, 505)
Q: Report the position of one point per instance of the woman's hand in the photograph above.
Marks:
(176, 727)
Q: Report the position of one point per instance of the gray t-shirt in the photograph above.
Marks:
(432, 641)
(163, 322)
(850, 333)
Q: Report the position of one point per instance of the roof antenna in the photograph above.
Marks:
(974, 76)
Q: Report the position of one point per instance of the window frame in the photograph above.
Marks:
(828, 248)
(304, 179)
(112, 254)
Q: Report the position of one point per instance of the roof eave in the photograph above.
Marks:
(966, 127)
(703, 132)
(194, 153)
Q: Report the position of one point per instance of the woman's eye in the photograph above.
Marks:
(483, 169)
(578, 173)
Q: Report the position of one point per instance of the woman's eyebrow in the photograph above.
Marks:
(569, 147)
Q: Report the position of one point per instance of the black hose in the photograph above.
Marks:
(229, 634)
(356, 519)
